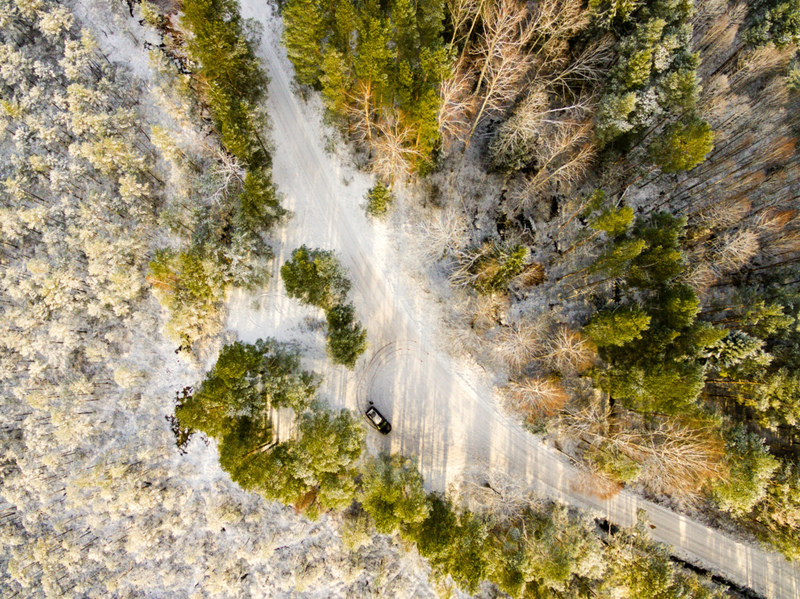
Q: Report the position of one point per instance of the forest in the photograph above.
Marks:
(607, 191)
(633, 164)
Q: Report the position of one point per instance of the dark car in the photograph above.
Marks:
(377, 420)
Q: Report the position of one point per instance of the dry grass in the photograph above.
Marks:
(725, 214)
(596, 484)
(735, 249)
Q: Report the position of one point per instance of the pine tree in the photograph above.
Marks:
(751, 468)
(392, 494)
(617, 327)
(315, 277)
(303, 35)
(682, 146)
(347, 339)
(379, 199)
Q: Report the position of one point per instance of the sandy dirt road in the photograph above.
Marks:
(441, 413)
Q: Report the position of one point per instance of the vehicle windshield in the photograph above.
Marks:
(374, 416)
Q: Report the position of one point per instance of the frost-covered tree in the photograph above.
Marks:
(392, 493)
(347, 339)
(315, 277)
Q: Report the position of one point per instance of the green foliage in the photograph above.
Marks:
(377, 64)
(682, 146)
(347, 339)
(466, 558)
(638, 68)
(613, 116)
(315, 277)
(227, 237)
(751, 468)
(560, 547)
(736, 353)
(657, 352)
(777, 398)
(379, 199)
(617, 258)
(776, 518)
(230, 73)
(655, 75)
(392, 493)
(670, 388)
(317, 470)
(613, 221)
(617, 327)
(245, 381)
(304, 30)
(192, 289)
(260, 207)
(661, 260)
(774, 22)
(325, 456)
(493, 266)
(638, 567)
(612, 462)
(606, 13)
(233, 404)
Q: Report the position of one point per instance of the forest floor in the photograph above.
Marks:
(442, 409)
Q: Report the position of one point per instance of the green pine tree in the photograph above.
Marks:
(347, 339)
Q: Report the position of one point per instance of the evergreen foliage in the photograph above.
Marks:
(246, 381)
(655, 351)
(378, 66)
(751, 468)
(491, 267)
(392, 493)
(347, 339)
(654, 80)
(315, 277)
(617, 327)
(379, 199)
(226, 235)
(638, 567)
(776, 518)
(190, 287)
(233, 404)
(774, 22)
(683, 145)
(229, 74)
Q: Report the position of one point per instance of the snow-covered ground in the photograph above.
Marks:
(443, 413)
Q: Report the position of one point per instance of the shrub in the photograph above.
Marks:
(379, 199)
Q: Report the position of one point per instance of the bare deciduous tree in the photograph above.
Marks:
(394, 150)
(674, 458)
(568, 350)
(488, 491)
(535, 397)
(501, 52)
(519, 344)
